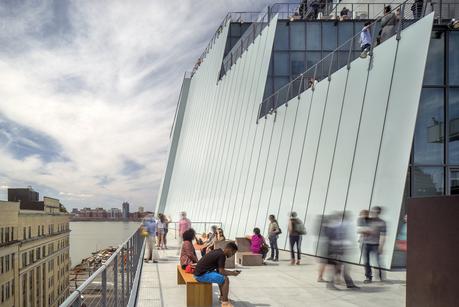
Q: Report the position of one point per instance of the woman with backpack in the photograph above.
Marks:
(295, 232)
(273, 233)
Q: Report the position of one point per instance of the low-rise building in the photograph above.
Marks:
(34, 251)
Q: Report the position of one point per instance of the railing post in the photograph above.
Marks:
(104, 288)
(115, 280)
(399, 25)
(330, 67)
(349, 57)
(123, 269)
(301, 84)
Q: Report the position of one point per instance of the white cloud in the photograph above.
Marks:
(101, 79)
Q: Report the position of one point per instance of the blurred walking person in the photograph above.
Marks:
(273, 234)
(296, 230)
(339, 243)
(150, 226)
(388, 23)
(374, 237)
(183, 225)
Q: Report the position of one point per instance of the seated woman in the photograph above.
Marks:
(188, 254)
(220, 235)
(209, 244)
(257, 243)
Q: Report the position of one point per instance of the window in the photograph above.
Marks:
(30, 232)
(24, 259)
(1, 265)
(429, 134)
(38, 253)
(345, 32)
(428, 181)
(281, 37)
(313, 31)
(297, 36)
(297, 63)
(454, 182)
(329, 36)
(24, 233)
(281, 64)
(7, 263)
(434, 71)
(7, 234)
(453, 130)
(453, 58)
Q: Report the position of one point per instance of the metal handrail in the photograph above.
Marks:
(74, 299)
(296, 87)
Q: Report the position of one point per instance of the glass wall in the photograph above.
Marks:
(435, 154)
(298, 45)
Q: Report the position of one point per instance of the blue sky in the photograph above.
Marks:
(88, 92)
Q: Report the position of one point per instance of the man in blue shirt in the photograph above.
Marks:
(365, 39)
(149, 225)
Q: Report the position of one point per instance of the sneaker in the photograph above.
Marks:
(276, 259)
(364, 54)
(270, 259)
(367, 281)
(155, 261)
(320, 279)
(292, 262)
(298, 262)
(145, 260)
(354, 287)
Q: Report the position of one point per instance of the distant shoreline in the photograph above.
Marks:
(104, 220)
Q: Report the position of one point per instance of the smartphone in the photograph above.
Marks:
(239, 271)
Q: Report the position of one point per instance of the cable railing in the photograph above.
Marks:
(342, 56)
(199, 227)
(115, 282)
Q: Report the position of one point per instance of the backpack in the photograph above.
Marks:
(298, 227)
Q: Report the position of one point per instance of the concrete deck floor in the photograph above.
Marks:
(274, 285)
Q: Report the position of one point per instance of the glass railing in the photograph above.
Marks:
(115, 282)
(342, 56)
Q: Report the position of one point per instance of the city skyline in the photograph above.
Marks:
(92, 128)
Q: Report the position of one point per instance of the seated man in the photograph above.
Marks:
(211, 269)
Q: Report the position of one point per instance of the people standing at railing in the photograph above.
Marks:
(303, 9)
(211, 269)
(416, 8)
(388, 23)
(273, 234)
(187, 251)
(344, 14)
(296, 230)
(183, 225)
(161, 230)
(150, 226)
(365, 39)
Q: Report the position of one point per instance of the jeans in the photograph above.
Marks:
(366, 46)
(369, 249)
(295, 239)
(274, 248)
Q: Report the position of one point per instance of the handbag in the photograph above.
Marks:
(144, 232)
(189, 269)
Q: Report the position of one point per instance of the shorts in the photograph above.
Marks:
(211, 278)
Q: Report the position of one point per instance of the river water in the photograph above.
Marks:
(87, 237)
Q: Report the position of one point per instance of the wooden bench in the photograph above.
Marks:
(197, 294)
(244, 256)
